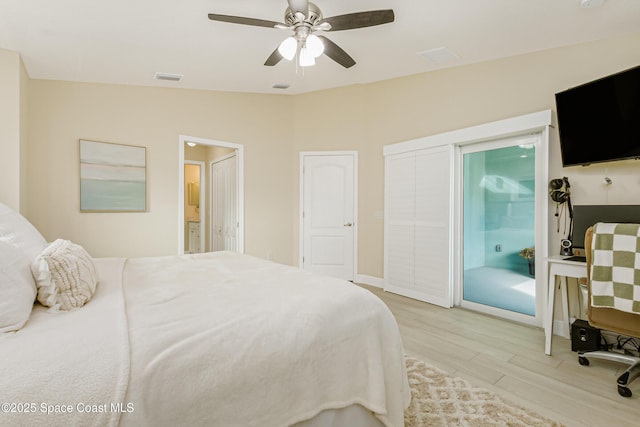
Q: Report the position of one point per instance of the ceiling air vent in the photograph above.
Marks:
(439, 55)
(169, 76)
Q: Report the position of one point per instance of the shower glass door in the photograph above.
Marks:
(498, 223)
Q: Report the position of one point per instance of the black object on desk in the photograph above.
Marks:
(576, 258)
(584, 216)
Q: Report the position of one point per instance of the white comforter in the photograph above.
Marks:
(66, 368)
(221, 339)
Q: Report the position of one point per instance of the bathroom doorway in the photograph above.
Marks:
(206, 152)
(194, 216)
(498, 227)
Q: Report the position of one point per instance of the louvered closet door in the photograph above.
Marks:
(433, 226)
(218, 186)
(418, 225)
(400, 194)
(231, 205)
(225, 204)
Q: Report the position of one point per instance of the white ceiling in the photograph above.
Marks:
(128, 41)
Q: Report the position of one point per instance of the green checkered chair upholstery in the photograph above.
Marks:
(613, 282)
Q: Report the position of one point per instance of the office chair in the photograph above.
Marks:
(607, 318)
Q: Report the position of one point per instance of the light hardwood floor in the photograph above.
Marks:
(508, 358)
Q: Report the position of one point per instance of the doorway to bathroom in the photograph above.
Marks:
(194, 216)
(221, 205)
(498, 227)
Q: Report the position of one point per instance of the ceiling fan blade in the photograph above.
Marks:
(245, 21)
(301, 6)
(359, 19)
(336, 53)
(273, 59)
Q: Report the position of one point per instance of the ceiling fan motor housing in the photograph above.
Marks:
(313, 15)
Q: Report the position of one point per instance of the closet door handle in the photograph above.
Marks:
(348, 224)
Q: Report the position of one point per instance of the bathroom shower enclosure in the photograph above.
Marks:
(498, 224)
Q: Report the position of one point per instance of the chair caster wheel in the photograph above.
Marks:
(583, 361)
(624, 391)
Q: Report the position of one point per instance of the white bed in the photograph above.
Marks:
(217, 339)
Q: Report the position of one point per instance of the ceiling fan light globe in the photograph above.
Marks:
(315, 45)
(306, 58)
(288, 48)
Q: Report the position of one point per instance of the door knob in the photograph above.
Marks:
(348, 224)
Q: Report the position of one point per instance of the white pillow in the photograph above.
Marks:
(17, 292)
(15, 230)
(65, 275)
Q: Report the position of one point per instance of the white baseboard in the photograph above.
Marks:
(560, 329)
(369, 280)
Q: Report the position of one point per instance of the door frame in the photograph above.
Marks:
(534, 124)
(354, 155)
(537, 139)
(182, 140)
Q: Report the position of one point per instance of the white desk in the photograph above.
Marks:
(558, 266)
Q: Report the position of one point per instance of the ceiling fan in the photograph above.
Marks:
(304, 19)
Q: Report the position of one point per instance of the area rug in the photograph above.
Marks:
(440, 399)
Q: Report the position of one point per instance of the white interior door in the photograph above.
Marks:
(224, 209)
(328, 213)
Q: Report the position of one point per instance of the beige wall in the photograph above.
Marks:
(368, 117)
(11, 143)
(60, 113)
(275, 129)
(24, 140)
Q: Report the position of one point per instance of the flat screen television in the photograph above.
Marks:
(600, 121)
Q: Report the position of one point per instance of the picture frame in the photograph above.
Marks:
(113, 177)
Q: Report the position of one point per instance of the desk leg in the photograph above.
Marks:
(565, 305)
(548, 324)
